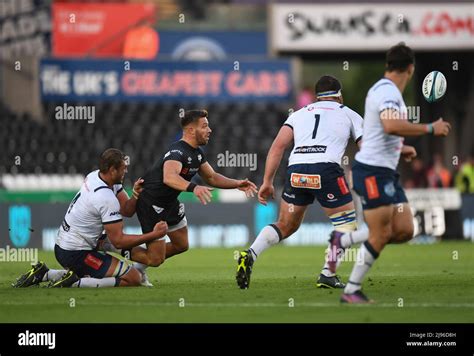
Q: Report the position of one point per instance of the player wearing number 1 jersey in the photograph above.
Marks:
(320, 132)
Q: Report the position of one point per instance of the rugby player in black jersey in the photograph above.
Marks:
(170, 176)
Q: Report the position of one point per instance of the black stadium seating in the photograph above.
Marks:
(142, 130)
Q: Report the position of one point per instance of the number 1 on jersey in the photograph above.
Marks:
(316, 124)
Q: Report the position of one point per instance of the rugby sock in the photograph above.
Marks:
(139, 266)
(54, 275)
(344, 221)
(354, 237)
(270, 235)
(365, 258)
(87, 282)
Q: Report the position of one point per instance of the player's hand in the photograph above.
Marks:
(160, 229)
(137, 188)
(248, 187)
(203, 193)
(408, 153)
(265, 191)
(441, 127)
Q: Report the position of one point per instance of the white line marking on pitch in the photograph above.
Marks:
(253, 305)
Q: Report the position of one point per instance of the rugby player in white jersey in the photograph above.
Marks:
(320, 132)
(98, 206)
(376, 181)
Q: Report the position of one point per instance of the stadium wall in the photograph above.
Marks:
(222, 224)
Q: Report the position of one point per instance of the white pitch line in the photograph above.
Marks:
(248, 305)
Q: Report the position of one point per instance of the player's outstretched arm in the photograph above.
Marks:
(171, 178)
(394, 125)
(218, 180)
(128, 205)
(125, 241)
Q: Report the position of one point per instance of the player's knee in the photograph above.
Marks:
(182, 246)
(155, 261)
(131, 278)
(406, 234)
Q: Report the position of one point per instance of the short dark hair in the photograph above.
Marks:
(192, 116)
(399, 57)
(327, 83)
(111, 157)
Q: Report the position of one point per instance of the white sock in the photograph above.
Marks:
(87, 282)
(139, 266)
(54, 275)
(365, 258)
(325, 271)
(267, 237)
(354, 237)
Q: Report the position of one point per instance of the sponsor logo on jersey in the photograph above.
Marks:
(199, 157)
(93, 261)
(173, 151)
(190, 159)
(310, 149)
(371, 187)
(389, 189)
(157, 209)
(113, 213)
(331, 197)
(181, 209)
(309, 181)
(342, 185)
(292, 196)
(65, 226)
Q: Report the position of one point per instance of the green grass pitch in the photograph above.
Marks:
(410, 283)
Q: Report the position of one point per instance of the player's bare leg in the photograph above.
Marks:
(289, 220)
(379, 221)
(154, 255)
(179, 242)
(141, 256)
(402, 224)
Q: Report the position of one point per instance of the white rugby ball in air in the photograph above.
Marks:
(434, 86)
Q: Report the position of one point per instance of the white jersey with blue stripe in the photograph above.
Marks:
(95, 205)
(379, 148)
(321, 131)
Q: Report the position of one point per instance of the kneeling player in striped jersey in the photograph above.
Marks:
(99, 205)
(320, 132)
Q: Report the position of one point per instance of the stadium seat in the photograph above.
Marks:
(66, 148)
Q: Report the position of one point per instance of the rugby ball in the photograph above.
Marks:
(434, 86)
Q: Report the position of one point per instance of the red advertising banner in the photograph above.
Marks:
(96, 29)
